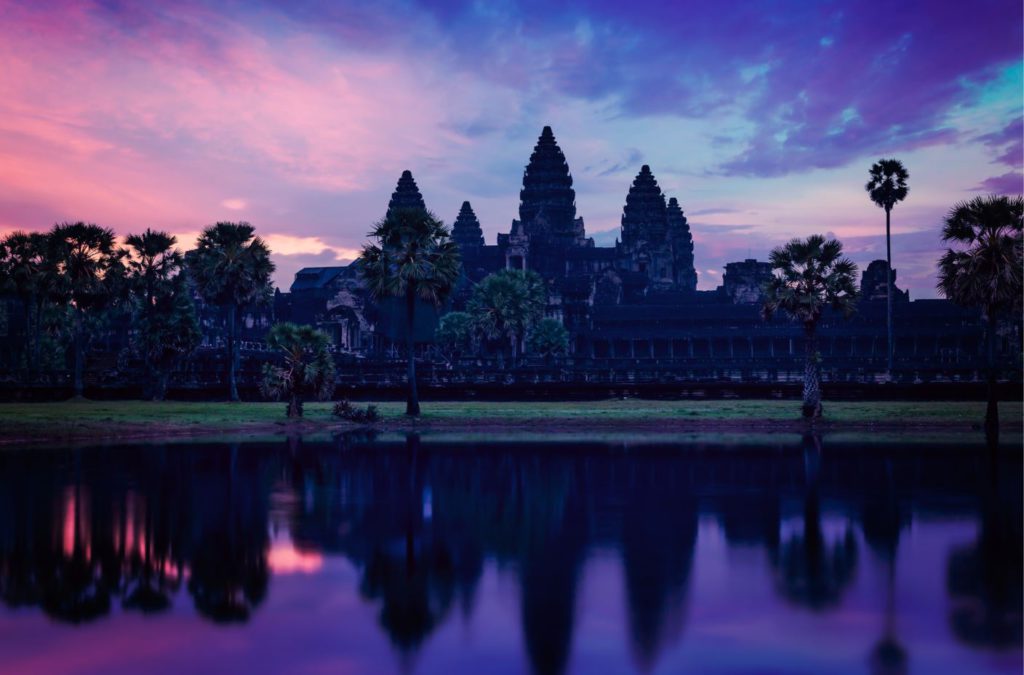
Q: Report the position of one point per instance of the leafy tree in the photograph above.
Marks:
(231, 268)
(454, 334)
(982, 268)
(507, 304)
(84, 262)
(888, 186)
(308, 368)
(24, 272)
(809, 275)
(413, 258)
(548, 338)
(163, 312)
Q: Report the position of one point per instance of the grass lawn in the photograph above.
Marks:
(111, 419)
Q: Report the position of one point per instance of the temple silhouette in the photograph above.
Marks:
(636, 304)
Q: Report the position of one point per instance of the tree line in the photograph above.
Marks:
(75, 278)
(75, 281)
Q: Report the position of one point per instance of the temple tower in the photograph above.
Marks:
(406, 194)
(645, 216)
(681, 242)
(547, 202)
(547, 225)
(466, 231)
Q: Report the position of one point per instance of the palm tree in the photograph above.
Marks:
(548, 338)
(887, 187)
(23, 271)
(308, 368)
(507, 304)
(164, 313)
(231, 268)
(809, 275)
(454, 334)
(982, 268)
(413, 258)
(84, 260)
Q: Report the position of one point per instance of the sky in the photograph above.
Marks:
(762, 118)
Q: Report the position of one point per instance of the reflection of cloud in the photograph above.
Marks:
(284, 558)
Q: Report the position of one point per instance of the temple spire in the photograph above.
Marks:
(406, 194)
(684, 273)
(466, 230)
(547, 190)
(644, 217)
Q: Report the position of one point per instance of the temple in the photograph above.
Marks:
(633, 310)
(636, 304)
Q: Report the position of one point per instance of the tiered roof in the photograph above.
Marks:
(682, 245)
(547, 187)
(406, 194)
(645, 215)
(466, 231)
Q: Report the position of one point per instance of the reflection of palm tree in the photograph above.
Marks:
(75, 590)
(983, 579)
(881, 523)
(230, 573)
(416, 583)
(812, 572)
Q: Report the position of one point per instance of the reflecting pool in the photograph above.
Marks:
(507, 554)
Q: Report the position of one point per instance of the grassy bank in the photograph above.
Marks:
(126, 419)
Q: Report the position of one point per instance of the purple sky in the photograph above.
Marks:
(761, 118)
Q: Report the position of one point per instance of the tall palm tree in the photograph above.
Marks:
(808, 276)
(231, 268)
(982, 268)
(507, 304)
(887, 187)
(308, 368)
(163, 311)
(413, 258)
(84, 261)
(23, 271)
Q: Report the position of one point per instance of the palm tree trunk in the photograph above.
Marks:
(812, 372)
(232, 356)
(161, 387)
(888, 295)
(26, 342)
(38, 306)
(992, 409)
(78, 354)
(295, 406)
(412, 404)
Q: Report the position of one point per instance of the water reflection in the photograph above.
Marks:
(85, 532)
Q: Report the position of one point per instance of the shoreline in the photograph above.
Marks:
(125, 421)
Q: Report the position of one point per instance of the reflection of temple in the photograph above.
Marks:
(420, 520)
(635, 304)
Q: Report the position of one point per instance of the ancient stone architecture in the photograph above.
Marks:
(633, 310)
(742, 281)
(637, 302)
(406, 194)
(872, 283)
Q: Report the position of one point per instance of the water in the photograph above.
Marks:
(449, 554)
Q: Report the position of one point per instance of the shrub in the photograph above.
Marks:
(346, 411)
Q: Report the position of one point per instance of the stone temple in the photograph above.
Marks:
(638, 300)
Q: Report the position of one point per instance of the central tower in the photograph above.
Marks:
(547, 225)
(547, 202)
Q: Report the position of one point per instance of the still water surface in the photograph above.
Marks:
(441, 554)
